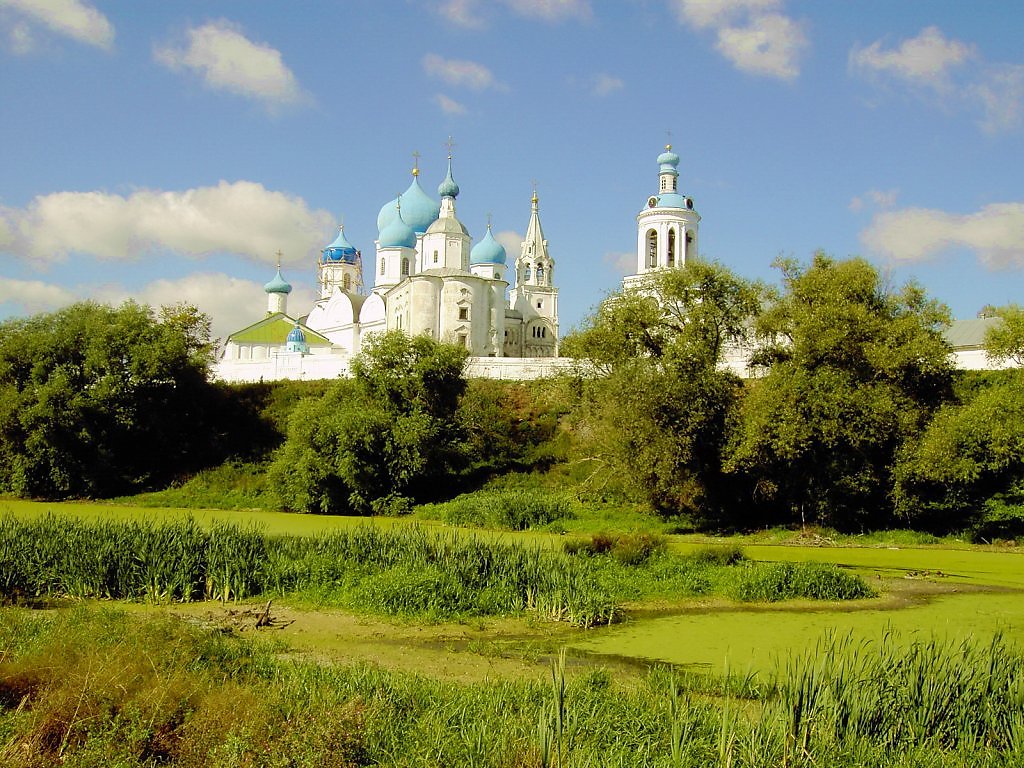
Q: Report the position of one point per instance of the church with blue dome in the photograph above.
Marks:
(427, 278)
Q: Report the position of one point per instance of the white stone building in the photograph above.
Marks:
(427, 280)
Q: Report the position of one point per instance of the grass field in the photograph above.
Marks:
(925, 588)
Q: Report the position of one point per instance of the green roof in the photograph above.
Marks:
(970, 333)
(274, 329)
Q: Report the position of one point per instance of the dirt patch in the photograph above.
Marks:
(502, 648)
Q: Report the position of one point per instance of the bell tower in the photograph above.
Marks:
(667, 227)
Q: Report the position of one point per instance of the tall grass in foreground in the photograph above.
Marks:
(393, 572)
(90, 687)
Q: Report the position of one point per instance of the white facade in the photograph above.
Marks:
(667, 227)
(426, 280)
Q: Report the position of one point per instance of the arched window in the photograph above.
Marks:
(689, 246)
(540, 274)
(526, 273)
(435, 257)
(405, 267)
(382, 265)
(652, 249)
(347, 282)
(672, 247)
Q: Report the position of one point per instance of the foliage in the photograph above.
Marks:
(514, 508)
(658, 414)
(96, 401)
(405, 572)
(1004, 343)
(388, 436)
(855, 370)
(104, 688)
(970, 453)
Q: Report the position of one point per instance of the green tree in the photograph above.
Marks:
(970, 454)
(1004, 343)
(854, 370)
(657, 414)
(386, 437)
(96, 401)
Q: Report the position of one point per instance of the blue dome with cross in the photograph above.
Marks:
(341, 250)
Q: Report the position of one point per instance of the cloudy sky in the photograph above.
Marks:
(167, 150)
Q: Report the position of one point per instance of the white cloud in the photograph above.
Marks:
(512, 242)
(720, 13)
(923, 60)
(71, 18)
(240, 217)
(449, 106)
(877, 198)
(995, 234)
(623, 262)
(933, 65)
(753, 34)
(551, 10)
(605, 84)
(231, 303)
(769, 45)
(227, 60)
(28, 297)
(462, 13)
(470, 13)
(20, 39)
(1001, 95)
(459, 72)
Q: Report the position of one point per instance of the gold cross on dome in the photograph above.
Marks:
(450, 143)
(279, 255)
(415, 163)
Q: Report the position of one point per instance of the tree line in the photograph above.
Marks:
(854, 416)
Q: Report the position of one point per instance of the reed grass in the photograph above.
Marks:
(90, 687)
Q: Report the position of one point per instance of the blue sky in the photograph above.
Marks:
(167, 150)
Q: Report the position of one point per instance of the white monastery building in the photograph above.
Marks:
(428, 280)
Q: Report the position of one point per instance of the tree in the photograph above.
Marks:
(970, 454)
(96, 401)
(657, 414)
(854, 370)
(1004, 343)
(389, 436)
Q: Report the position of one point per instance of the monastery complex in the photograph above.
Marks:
(428, 280)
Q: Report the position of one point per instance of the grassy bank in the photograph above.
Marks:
(87, 687)
(401, 572)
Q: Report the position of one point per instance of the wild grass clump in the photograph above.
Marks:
(516, 509)
(719, 554)
(406, 571)
(94, 687)
(947, 696)
(771, 582)
(627, 548)
(233, 485)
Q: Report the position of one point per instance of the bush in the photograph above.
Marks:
(630, 549)
(726, 554)
(514, 509)
(771, 582)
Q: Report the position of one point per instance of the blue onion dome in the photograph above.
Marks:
(418, 209)
(448, 187)
(668, 157)
(487, 251)
(296, 334)
(341, 249)
(278, 284)
(398, 234)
